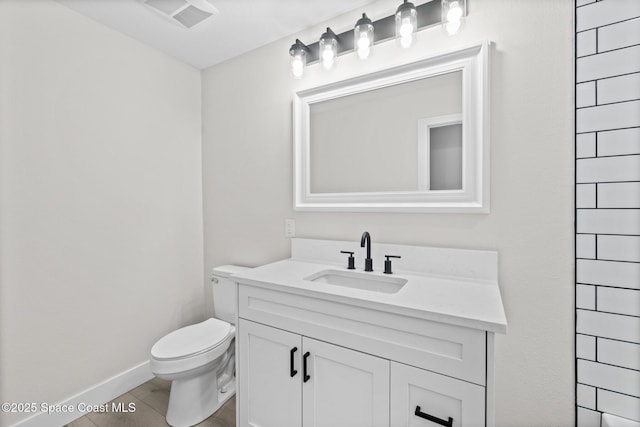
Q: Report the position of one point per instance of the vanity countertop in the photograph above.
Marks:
(469, 302)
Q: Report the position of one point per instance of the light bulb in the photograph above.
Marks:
(406, 33)
(406, 23)
(406, 42)
(297, 67)
(364, 47)
(328, 49)
(452, 15)
(452, 27)
(406, 28)
(455, 12)
(363, 42)
(363, 37)
(298, 55)
(327, 57)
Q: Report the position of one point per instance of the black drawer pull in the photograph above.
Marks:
(433, 419)
(292, 371)
(305, 377)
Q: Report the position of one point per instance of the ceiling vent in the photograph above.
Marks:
(187, 13)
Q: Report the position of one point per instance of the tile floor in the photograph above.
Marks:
(151, 400)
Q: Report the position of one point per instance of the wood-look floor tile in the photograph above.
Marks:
(152, 385)
(151, 400)
(83, 421)
(224, 417)
(143, 416)
(154, 393)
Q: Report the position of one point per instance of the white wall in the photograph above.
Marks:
(247, 154)
(101, 215)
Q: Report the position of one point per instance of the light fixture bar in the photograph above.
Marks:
(429, 14)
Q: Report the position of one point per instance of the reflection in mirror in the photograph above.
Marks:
(445, 158)
(440, 153)
(369, 142)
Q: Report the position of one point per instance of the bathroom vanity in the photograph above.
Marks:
(322, 345)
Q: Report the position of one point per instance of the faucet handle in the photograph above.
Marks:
(387, 263)
(351, 260)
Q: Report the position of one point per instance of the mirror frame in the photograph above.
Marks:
(474, 63)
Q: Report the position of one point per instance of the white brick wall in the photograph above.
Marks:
(607, 209)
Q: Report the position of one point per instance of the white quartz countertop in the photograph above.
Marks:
(462, 301)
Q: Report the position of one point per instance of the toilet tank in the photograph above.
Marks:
(224, 292)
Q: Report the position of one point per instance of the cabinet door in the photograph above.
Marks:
(417, 395)
(344, 388)
(269, 395)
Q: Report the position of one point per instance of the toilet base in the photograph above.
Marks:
(193, 400)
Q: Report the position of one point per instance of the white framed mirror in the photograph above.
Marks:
(412, 138)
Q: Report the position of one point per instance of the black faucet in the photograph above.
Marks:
(368, 262)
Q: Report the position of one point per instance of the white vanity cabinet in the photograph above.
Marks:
(292, 380)
(363, 367)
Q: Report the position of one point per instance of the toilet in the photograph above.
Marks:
(199, 359)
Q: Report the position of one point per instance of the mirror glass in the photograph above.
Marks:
(412, 138)
(369, 141)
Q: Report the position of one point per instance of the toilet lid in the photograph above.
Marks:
(191, 340)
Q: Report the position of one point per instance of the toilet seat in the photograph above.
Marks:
(191, 348)
(191, 340)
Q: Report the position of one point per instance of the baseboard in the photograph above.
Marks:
(96, 395)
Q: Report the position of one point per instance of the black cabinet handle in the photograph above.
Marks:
(305, 377)
(292, 371)
(433, 419)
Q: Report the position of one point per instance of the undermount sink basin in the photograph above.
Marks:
(352, 279)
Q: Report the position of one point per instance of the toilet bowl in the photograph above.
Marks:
(199, 359)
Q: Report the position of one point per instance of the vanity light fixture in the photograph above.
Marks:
(363, 37)
(406, 23)
(453, 11)
(298, 53)
(328, 49)
(403, 25)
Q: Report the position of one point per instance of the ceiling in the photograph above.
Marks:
(240, 26)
